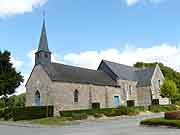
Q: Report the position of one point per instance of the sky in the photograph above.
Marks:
(83, 32)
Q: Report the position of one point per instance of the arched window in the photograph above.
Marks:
(130, 90)
(76, 96)
(159, 83)
(37, 99)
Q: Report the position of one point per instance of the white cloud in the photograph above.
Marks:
(167, 54)
(16, 62)
(14, 7)
(134, 2)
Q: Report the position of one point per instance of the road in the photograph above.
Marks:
(115, 126)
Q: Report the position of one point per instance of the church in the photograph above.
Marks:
(69, 87)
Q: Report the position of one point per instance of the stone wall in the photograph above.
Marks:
(38, 81)
(126, 92)
(143, 96)
(88, 94)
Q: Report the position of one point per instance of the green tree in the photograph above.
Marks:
(9, 78)
(169, 89)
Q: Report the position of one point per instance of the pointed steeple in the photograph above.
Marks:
(43, 55)
(43, 43)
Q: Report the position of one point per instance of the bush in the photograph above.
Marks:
(2, 104)
(110, 112)
(161, 122)
(2, 113)
(140, 108)
(98, 115)
(123, 110)
(8, 114)
(29, 113)
(162, 108)
(79, 116)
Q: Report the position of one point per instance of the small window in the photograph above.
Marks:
(159, 83)
(130, 90)
(124, 92)
(76, 96)
(46, 56)
(38, 55)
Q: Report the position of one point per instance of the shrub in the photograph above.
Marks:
(98, 115)
(2, 113)
(79, 116)
(2, 104)
(110, 112)
(133, 111)
(123, 110)
(8, 113)
(29, 113)
(140, 108)
(161, 122)
(162, 108)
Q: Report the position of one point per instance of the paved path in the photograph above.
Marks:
(118, 126)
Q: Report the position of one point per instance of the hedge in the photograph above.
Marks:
(29, 113)
(161, 122)
(106, 111)
(162, 108)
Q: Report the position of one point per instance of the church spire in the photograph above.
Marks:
(43, 43)
(43, 55)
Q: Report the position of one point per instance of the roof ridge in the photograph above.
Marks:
(76, 67)
(120, 64)
(147, 68)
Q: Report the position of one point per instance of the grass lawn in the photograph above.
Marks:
(161, 122)
(53, 121)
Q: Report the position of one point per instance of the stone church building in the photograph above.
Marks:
(73, 88)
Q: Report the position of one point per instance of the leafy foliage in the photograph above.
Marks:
(13, 101)
(169, 89)
(9, 78)
(169, 73)
(16, 101)
(161, 122)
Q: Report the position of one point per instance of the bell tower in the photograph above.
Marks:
(43, 55)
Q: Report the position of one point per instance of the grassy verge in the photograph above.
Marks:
(161, 122)
(52, 121)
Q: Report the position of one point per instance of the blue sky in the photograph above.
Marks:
(82, 32)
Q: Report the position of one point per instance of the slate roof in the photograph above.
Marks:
(66, 73)
(124, 72)
(43, 43)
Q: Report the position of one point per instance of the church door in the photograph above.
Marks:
(116, 101)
